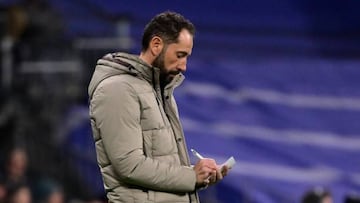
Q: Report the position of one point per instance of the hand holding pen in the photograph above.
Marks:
(207, 171)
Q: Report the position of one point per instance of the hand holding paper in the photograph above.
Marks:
(228, 163)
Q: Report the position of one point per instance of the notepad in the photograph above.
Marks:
(229, 163)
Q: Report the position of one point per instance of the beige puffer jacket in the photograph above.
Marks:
(139, 140)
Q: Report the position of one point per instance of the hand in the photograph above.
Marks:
(217, 175)
(207, 172)
(224, 170)
(221, 172)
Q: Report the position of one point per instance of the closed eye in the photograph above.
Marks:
(182, 54)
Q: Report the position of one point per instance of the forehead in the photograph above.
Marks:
(185, 42)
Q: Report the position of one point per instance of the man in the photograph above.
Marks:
(140, 144)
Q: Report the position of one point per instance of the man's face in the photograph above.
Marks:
(173, 57)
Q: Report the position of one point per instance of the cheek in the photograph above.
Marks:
(171, 62)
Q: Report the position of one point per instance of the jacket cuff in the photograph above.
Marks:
(189, 178)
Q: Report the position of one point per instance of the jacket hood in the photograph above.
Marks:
(117, 64)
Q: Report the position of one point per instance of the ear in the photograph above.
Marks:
(156, 46)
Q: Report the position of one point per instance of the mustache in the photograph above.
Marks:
(174, 72)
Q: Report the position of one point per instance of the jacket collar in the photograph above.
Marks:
(149, 73)
(140, 66)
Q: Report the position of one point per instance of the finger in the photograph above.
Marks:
(209, 163)
(212, 176)
(210, 172)
(206, 181)
(225, 170)
(207, 169)
(203, 175)
(219, 176)
(212, 179)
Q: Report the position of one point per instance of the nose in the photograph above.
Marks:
(182, 65)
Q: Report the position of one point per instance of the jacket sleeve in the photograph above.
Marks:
(116, 109)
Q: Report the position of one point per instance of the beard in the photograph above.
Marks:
(165, 76)
(159, 62)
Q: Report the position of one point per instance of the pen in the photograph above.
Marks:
(195, 153)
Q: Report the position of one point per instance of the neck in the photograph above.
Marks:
(147, 58)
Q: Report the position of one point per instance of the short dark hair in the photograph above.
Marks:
(167, 26)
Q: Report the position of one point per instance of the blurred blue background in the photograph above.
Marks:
(273, 83)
